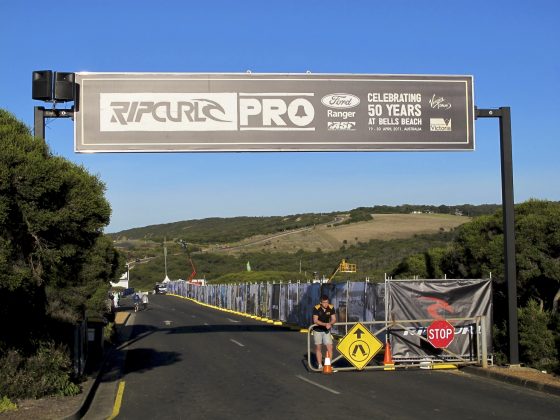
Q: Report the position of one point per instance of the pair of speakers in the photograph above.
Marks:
(53, 86)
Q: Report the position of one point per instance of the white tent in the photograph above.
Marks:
(123, 282)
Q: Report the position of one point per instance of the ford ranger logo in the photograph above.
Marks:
(340, 100)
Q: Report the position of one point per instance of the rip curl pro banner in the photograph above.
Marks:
(201, 112)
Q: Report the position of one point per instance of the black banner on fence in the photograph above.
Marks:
(437, 299)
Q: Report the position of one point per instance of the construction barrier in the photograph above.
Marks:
(436, 359)
(375, 304)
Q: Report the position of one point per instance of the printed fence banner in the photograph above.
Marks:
(283, 303)
(293, 303)
(309, 294)
(437, 299)
(275, 302)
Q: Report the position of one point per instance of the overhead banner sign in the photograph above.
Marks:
(175, 112)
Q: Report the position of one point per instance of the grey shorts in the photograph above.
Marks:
(320, 337)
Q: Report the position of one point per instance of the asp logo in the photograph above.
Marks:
(341, 125)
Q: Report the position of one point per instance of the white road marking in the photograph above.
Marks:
(237, 342)
(232, 320)
(318, 385)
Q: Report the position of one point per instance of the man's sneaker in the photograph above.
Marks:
(320, 366)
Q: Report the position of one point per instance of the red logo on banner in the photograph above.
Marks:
(437, 309)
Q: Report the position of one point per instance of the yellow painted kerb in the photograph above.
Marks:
(118, 401)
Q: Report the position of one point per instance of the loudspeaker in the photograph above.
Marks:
(42, 86)
(64, 87)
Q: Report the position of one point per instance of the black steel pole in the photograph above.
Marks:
(509, 232)
(508, 220)
(39, 122)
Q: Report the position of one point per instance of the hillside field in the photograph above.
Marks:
(329, 237)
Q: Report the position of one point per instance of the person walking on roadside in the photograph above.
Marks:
(324, 317)
(136, 299)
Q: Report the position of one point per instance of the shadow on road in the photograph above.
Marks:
(144, 359)
(229, 328)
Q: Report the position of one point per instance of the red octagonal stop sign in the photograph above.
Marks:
(440, 333)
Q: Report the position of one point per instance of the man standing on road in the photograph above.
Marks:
(324, 316)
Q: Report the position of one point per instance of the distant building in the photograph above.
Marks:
(123, 281)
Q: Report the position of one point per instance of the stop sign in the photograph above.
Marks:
(440, 333)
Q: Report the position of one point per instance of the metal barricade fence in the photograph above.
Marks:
(478, 334)
(367, 303)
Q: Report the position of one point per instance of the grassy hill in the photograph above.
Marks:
(291, 247)
(222, 230)
(330, 237)
(218, 230)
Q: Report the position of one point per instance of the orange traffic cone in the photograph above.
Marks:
(327, 368)
(388, 358)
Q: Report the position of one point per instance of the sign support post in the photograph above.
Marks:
(504, 114)
(39, 122)
(39, 115)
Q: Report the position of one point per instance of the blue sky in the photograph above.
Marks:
(510, 47)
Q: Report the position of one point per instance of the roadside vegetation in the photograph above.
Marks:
(55, 262)
(373, 259)
(477, 251)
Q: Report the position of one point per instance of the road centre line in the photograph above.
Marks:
(318, 385)
(237, 342)
(232, 320)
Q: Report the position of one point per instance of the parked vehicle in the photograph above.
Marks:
(160, 289)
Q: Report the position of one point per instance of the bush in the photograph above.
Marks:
(109, 333)
(47, 372)
(537, 347)
(500, 343)
(6, 405)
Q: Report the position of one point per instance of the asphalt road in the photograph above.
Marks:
(188, 361)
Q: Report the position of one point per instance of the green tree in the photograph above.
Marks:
(410, 267)
(52, 212)
(536, 343)
(478, 251)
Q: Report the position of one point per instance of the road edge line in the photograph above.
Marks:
(118, 401)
